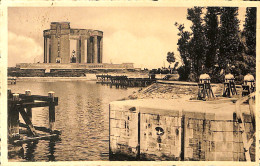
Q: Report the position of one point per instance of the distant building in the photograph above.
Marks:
(57, 40)
(60, 60)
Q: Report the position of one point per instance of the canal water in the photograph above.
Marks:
(82, 116)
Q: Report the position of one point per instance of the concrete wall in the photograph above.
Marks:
(202, 131)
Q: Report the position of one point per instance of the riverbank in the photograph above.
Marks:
(51, 79)
(89, 77)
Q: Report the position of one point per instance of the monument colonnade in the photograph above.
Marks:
(57, 40)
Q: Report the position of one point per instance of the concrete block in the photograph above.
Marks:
(118, 115)
(238, 147)
(168, 121)
(216, 126)
(116, 131)
(210, 116)
(227, 126)
(235, 156)
(113, 144)
(217, 136)
(112, 114)
(224, 146)
(224, 156)
(188, 153)
(228, 136)
(122, 124)
(210, 156)
(112, 123)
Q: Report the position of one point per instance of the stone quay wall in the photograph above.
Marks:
(74, 66)
(66, 70)
(158, 129)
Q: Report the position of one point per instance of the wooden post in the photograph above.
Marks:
(252, 112)
(29, 109)
(183, 135)
(27, 121)
(139, 137)
(109, 131)
(9, 92)
(13, 115)
(51, 110)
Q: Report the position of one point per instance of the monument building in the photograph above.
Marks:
(57, 41)
(70, 52)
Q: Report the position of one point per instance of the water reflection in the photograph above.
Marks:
(29, 150)
(81, 116)
(51, 148)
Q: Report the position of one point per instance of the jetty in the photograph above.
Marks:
(123, 81)
(23, 104)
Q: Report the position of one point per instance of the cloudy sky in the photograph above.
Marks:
(142, 35)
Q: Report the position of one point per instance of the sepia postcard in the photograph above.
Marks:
(129, 83)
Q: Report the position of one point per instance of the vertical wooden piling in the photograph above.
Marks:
(13, 116)
(9, 92)
(51, 110)
(28, 109)
(109, 131)
(139, 137)
(183, 126)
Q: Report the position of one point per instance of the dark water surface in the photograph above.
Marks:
(82, 116)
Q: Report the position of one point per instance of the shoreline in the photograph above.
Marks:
(56, 78)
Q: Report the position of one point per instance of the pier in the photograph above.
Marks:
(23, 104)
(124, 81)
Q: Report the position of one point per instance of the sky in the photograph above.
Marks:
(139, 35)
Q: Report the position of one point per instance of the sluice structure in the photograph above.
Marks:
(229, 86)
(182, 130)
(248, 85)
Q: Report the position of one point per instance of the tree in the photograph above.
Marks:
(230, 46)
(183, 48)
(214, 46)
(249, 36)
(170, 57)
(197, 42)
(212, 36)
